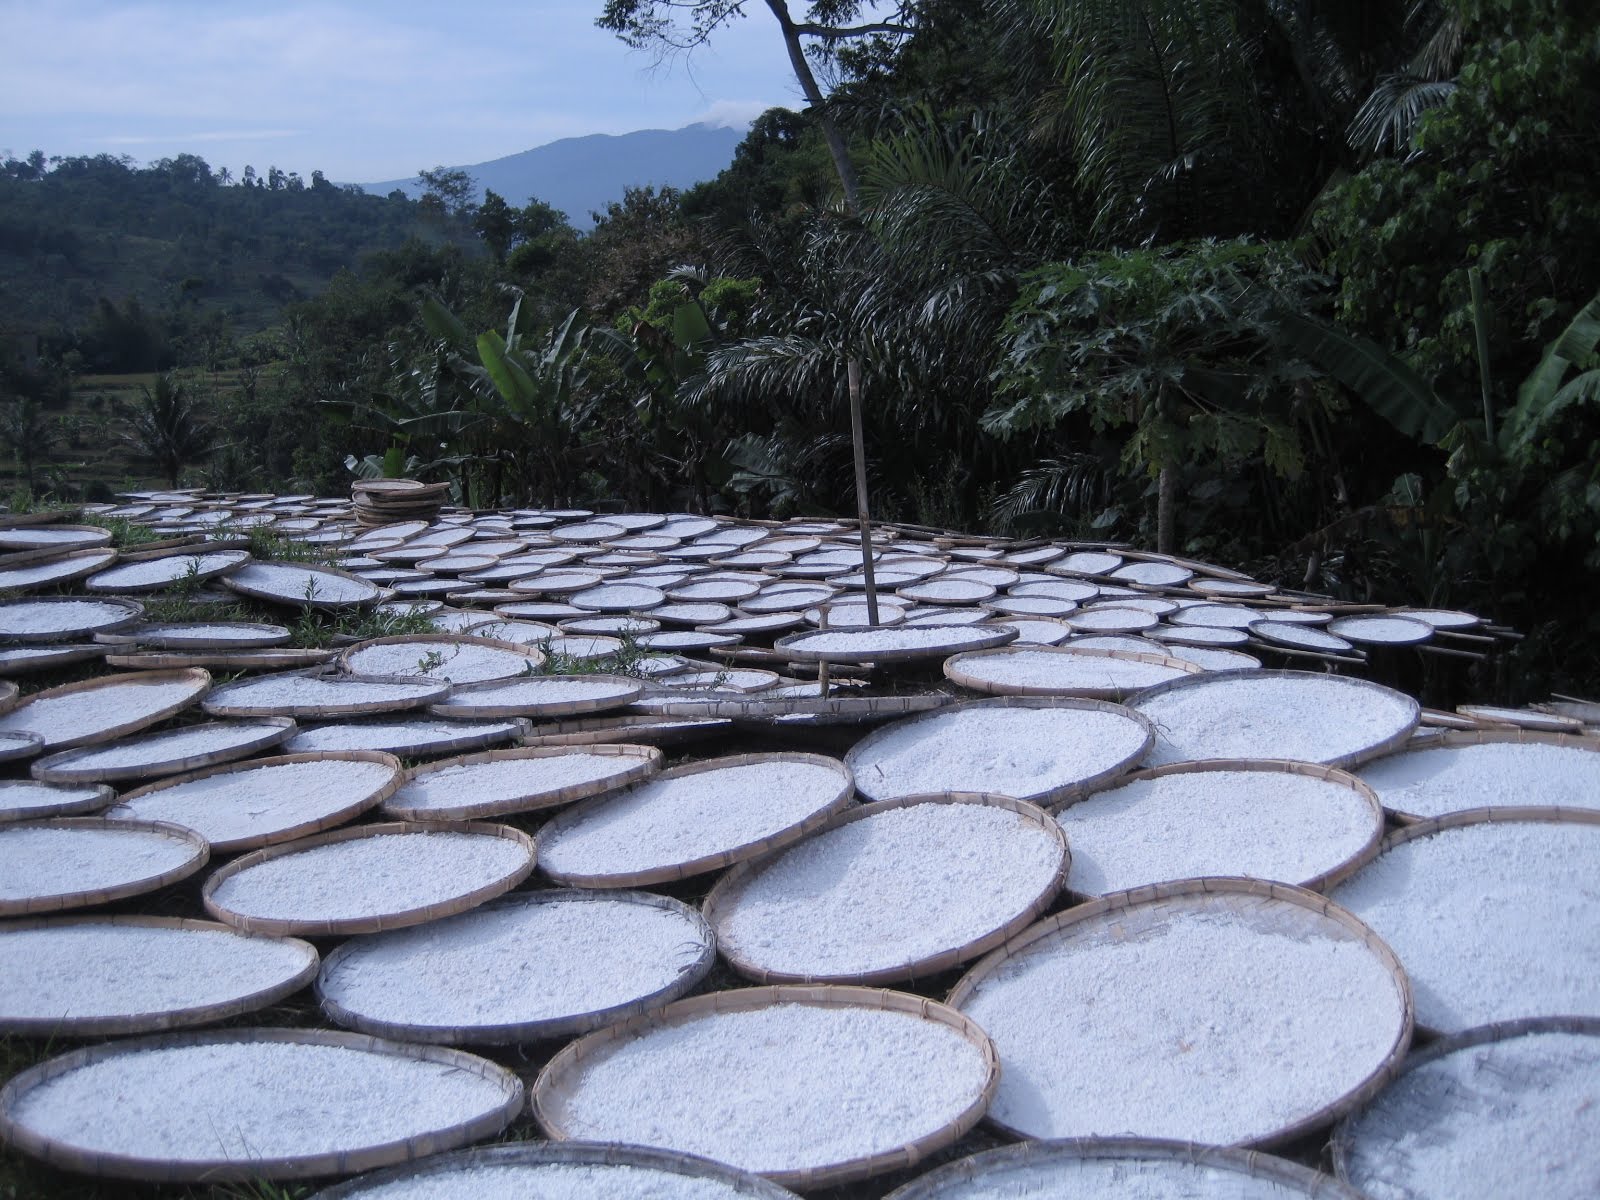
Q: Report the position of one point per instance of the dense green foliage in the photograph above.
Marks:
(1190, 271)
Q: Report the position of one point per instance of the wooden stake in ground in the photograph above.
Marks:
(864, 518)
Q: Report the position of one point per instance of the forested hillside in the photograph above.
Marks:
(1310, 287)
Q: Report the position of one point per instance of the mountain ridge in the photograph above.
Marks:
(581, 175)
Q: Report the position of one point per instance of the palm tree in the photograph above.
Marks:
(167, 425)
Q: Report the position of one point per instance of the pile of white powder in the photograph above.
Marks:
(459, 662)
(1264, 824)
(1294, 715)
(156, 750)
(1516, 1117)
(889, 890)
(538, 958)
(88, 970)
(1434, 781)
(244, 1100)
(404, 735)
(370, 876)
(42, 861)
(555, 1181)
(1061, 671)
(667, 822)
(1198, 1025)
(506, 784)
(783, 1088)
(116, 702)
(1493, 921)
(1016, 751)
(1059, 1176)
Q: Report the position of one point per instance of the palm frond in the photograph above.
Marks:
(1389, 118)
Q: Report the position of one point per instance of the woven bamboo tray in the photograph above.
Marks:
(186, 565)
(26, 800)
(1174, 832)
(1445, 936)
(1493, 1127)
(1486, 737)
(1339, 692)
(632, 764)
(412, 737)
(878, 645)
(520, 697)
(663, 872)
(534, 1158)
(18, 744)
(90, 765)
(349, 802)
(99, 615)
(398, 918)
(187, 636)
(725, 897)
(673, 982)
(642, 727)
(1067, 781)
(975, 670)
(66, 568)
(1128, 919)
(551, 1095)
(1110, 1165)
(297, 584)
(29, 660)
(818, 710)
(88, 1161)
(132, 882)
(526, 658)
(383, 693)
(105, 1023)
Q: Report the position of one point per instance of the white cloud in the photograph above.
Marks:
(734, 114)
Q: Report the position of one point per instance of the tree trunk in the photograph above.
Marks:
(1166, 512)
(837, 146)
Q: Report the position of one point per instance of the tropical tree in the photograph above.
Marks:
(168, 425)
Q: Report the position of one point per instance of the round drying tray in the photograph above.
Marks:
(1495, 913)
(164, 569)
(1032, 748)
(98, 710)
(692, 819)
(54, 571)
(101, 976)
(499, 782)
(27, 800)
(1493, 716)
(202, 635)
(19, 744)
(895, 643)
(810, 1086)
(526, 967)
(890, 891)
(285, 658)
(28, 660)
(1121, 1168)
(58, 618)
(409, 737)
(369, 878)
(1501, 1110)
(75, 862)
(168, 752)
(460, 658)
(289, 694)
(540, 696)
(1223, 1011)
(1382, 629)
(1265, 819)
(1455, 771)
(807, 710)
(1300, 715)
(1063, 671)
(264, 801)
(523, 1169)
(233, 1105)
(633, 727)
(301, 585)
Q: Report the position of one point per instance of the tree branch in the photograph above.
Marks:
(839, 32)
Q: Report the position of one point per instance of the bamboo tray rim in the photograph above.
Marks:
(432, 689)
(101, 797)
(53, 768)
(954, 670)
(1446, 739)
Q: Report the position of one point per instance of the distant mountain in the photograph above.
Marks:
(581, 175)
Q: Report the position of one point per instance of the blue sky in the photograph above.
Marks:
(361, 91)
